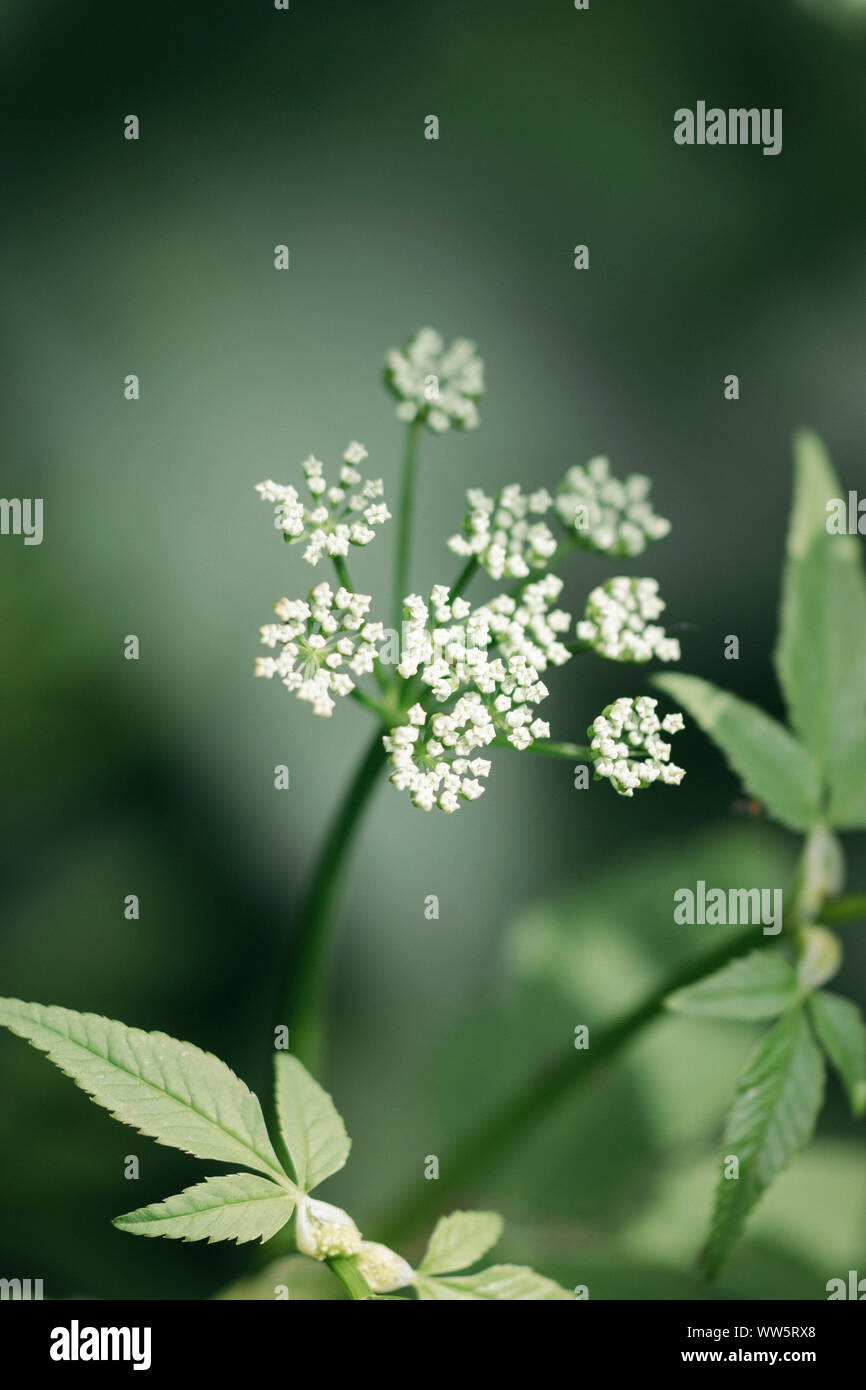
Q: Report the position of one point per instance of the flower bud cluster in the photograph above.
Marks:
(506, 534)
(317, 637)
(620, 622)
(626, 746)
(606, 514)
(341, 515)
(437, 386)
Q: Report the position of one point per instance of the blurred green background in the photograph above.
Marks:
(156, 778)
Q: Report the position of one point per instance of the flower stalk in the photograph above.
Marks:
(350, 1277)
(404, 520)
(309, 979)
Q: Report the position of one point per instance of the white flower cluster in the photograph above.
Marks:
(437, 386)
(527, 628)
(317, 637)
(626, 747)
(619, 622)
(506, 534)
(606, 514)
(341, 515)
(490, 658)
(435, 763)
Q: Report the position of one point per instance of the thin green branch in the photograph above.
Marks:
(496, 1136)
(548, 748)
(404, 521)
(343, 573)
(307, 995)
(368, 702)
(847, 909)
(465, 576)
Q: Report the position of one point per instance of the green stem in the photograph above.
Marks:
(549, 748)
(845, 909)
(307, 996)
(364, 699)
(517, 1118)
(464, 577)
(342, 572)
(350, 1277)
(404, 522)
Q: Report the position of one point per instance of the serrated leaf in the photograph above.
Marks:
(169, 1090)
(459, 1240)
(776, 1102)
(842, 1032)
(239, 1207)
(499, 1282)
(312, 1129)
(758, 985)
(821, 652)
(769, 761)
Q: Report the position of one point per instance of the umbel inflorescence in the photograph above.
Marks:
(459, 678)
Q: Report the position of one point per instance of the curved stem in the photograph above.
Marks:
(498, 1134)
(404, 521)
(308, 990)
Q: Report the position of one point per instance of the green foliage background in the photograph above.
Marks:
(156, 778)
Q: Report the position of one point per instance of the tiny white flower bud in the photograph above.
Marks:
(323, 1230)
(383, 1269)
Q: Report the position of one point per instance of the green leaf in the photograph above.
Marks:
(770, 762)
(238, 1207)
(758, 985)
(821, 653)
(313, 1131)
(848, 792)
(776, 1102)
(842, 1032)
(169, 1090)
(460, 1239)
(512, 1282)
